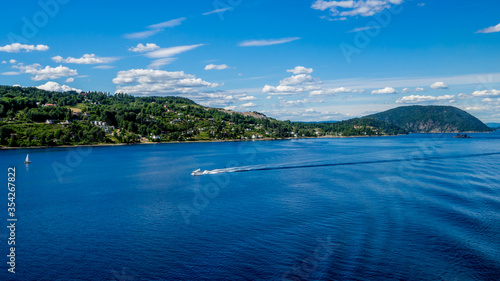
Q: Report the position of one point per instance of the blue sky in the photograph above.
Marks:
(303, 60)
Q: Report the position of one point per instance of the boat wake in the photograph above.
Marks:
(198, 172)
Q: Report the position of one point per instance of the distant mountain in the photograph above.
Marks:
(432, 119)
(493, 125)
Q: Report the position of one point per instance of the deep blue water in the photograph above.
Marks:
(418, 207)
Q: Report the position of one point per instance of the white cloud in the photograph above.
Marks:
(85, 59)
(156, 64)
(4, 62)
(486, 93)
(300, 70)
(70, 80)
(55, 87)
(170, 23)
(384, 91)
(172, 51)
(10, 73)
(352, 8)
(269, 42)
(439, 85)
(47, 72)
(362, 29)
(154, 29)
(424, 99)
(408, 90)
(302, 102)
(149, 81)
(217, 67)
(140, 48)
(249, 104)
(333, 91)
(217, 11)
(17, 47)
(103, 67)
(12, 61)
(300, 83)
(282, 90)
(247, 98)
(490, 29)
(297, 79)
(142, 34)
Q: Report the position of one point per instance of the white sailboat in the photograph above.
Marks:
(27, 159)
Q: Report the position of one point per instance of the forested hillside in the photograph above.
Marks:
(34, 117)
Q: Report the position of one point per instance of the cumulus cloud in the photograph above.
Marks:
(247, 98)
(216, 11)
(490, 29)
(217, 67)
(301, 83)
(85, 59)
(352, 8)
(297, 79)
(46, 73)
(70, 80)
(300, 70)
(282, 90)
(55, 87)
(268, 42)
(425, 99)
(439, 85)
(4, 62)
(384, 91)
(140, 48)
(172, 51)
(486, 93)
(149, 81)
(408, 90)
(17, 47)
(12, 61)
(249, 104)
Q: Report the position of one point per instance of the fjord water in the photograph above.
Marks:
(417, 207)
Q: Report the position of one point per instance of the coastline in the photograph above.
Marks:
(199, 141)
(215, 141)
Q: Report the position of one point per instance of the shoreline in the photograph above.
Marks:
(216, 141)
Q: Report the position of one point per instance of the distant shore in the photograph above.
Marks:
(198, 141)
(215, 141)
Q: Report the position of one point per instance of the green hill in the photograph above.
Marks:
(34, 117)
(432, 119)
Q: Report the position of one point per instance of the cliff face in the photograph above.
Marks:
(432, 119)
